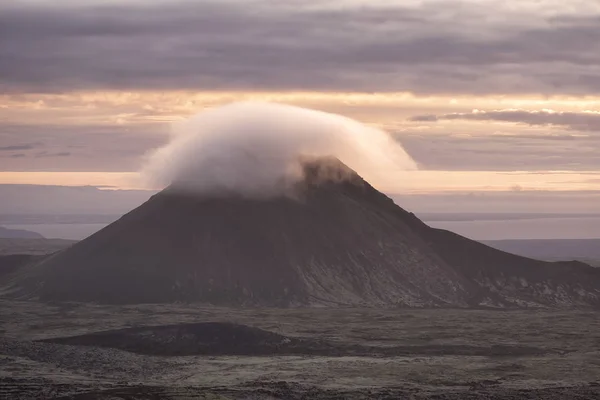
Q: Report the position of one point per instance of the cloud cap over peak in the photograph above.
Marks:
(257, 149)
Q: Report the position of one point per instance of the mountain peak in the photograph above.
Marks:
(327, 170)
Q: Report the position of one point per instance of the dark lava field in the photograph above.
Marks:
(82, 351)
(341, 294)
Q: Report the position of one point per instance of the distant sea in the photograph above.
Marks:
(472, 226)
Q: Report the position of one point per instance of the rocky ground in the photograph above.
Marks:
(56, 351)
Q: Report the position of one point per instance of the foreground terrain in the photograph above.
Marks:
(81, 351)
(59, 351)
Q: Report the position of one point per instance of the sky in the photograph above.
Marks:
(497, 101)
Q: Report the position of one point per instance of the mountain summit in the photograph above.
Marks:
(333, 240)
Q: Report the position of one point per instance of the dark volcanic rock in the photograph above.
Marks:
(337, 241)
(208, 338)
(10, 263)
(224, 338)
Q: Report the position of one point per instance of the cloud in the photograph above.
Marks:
(44, 154)
(117, 148)
(107, 148)
(27, 146)
(434, 47)
(484, 151)
(580, 121)
(424, 118)
(256, 149)
(18, 155)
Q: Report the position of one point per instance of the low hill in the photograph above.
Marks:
(6, 233)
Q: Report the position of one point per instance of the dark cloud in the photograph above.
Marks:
(424, 118)
(43, 154)
(18, 155)
(580, 121)
(27, 146)
(437, 48)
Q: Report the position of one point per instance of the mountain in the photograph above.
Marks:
(7, 233)
(336, 241)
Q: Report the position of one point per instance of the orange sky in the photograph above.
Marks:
(390, 111)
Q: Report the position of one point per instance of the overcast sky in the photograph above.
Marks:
(487, 96)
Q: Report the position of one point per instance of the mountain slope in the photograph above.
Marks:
(507, 279)
(331, 245)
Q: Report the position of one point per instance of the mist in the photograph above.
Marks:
(256, 149)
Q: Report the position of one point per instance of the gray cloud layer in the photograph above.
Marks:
(485, 152)
(449, 47)
(570, 142)
(115, 148)
(27, 146)
(111, 148)
(43, 154)
(580, 121)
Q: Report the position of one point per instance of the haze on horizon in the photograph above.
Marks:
(495, 101)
